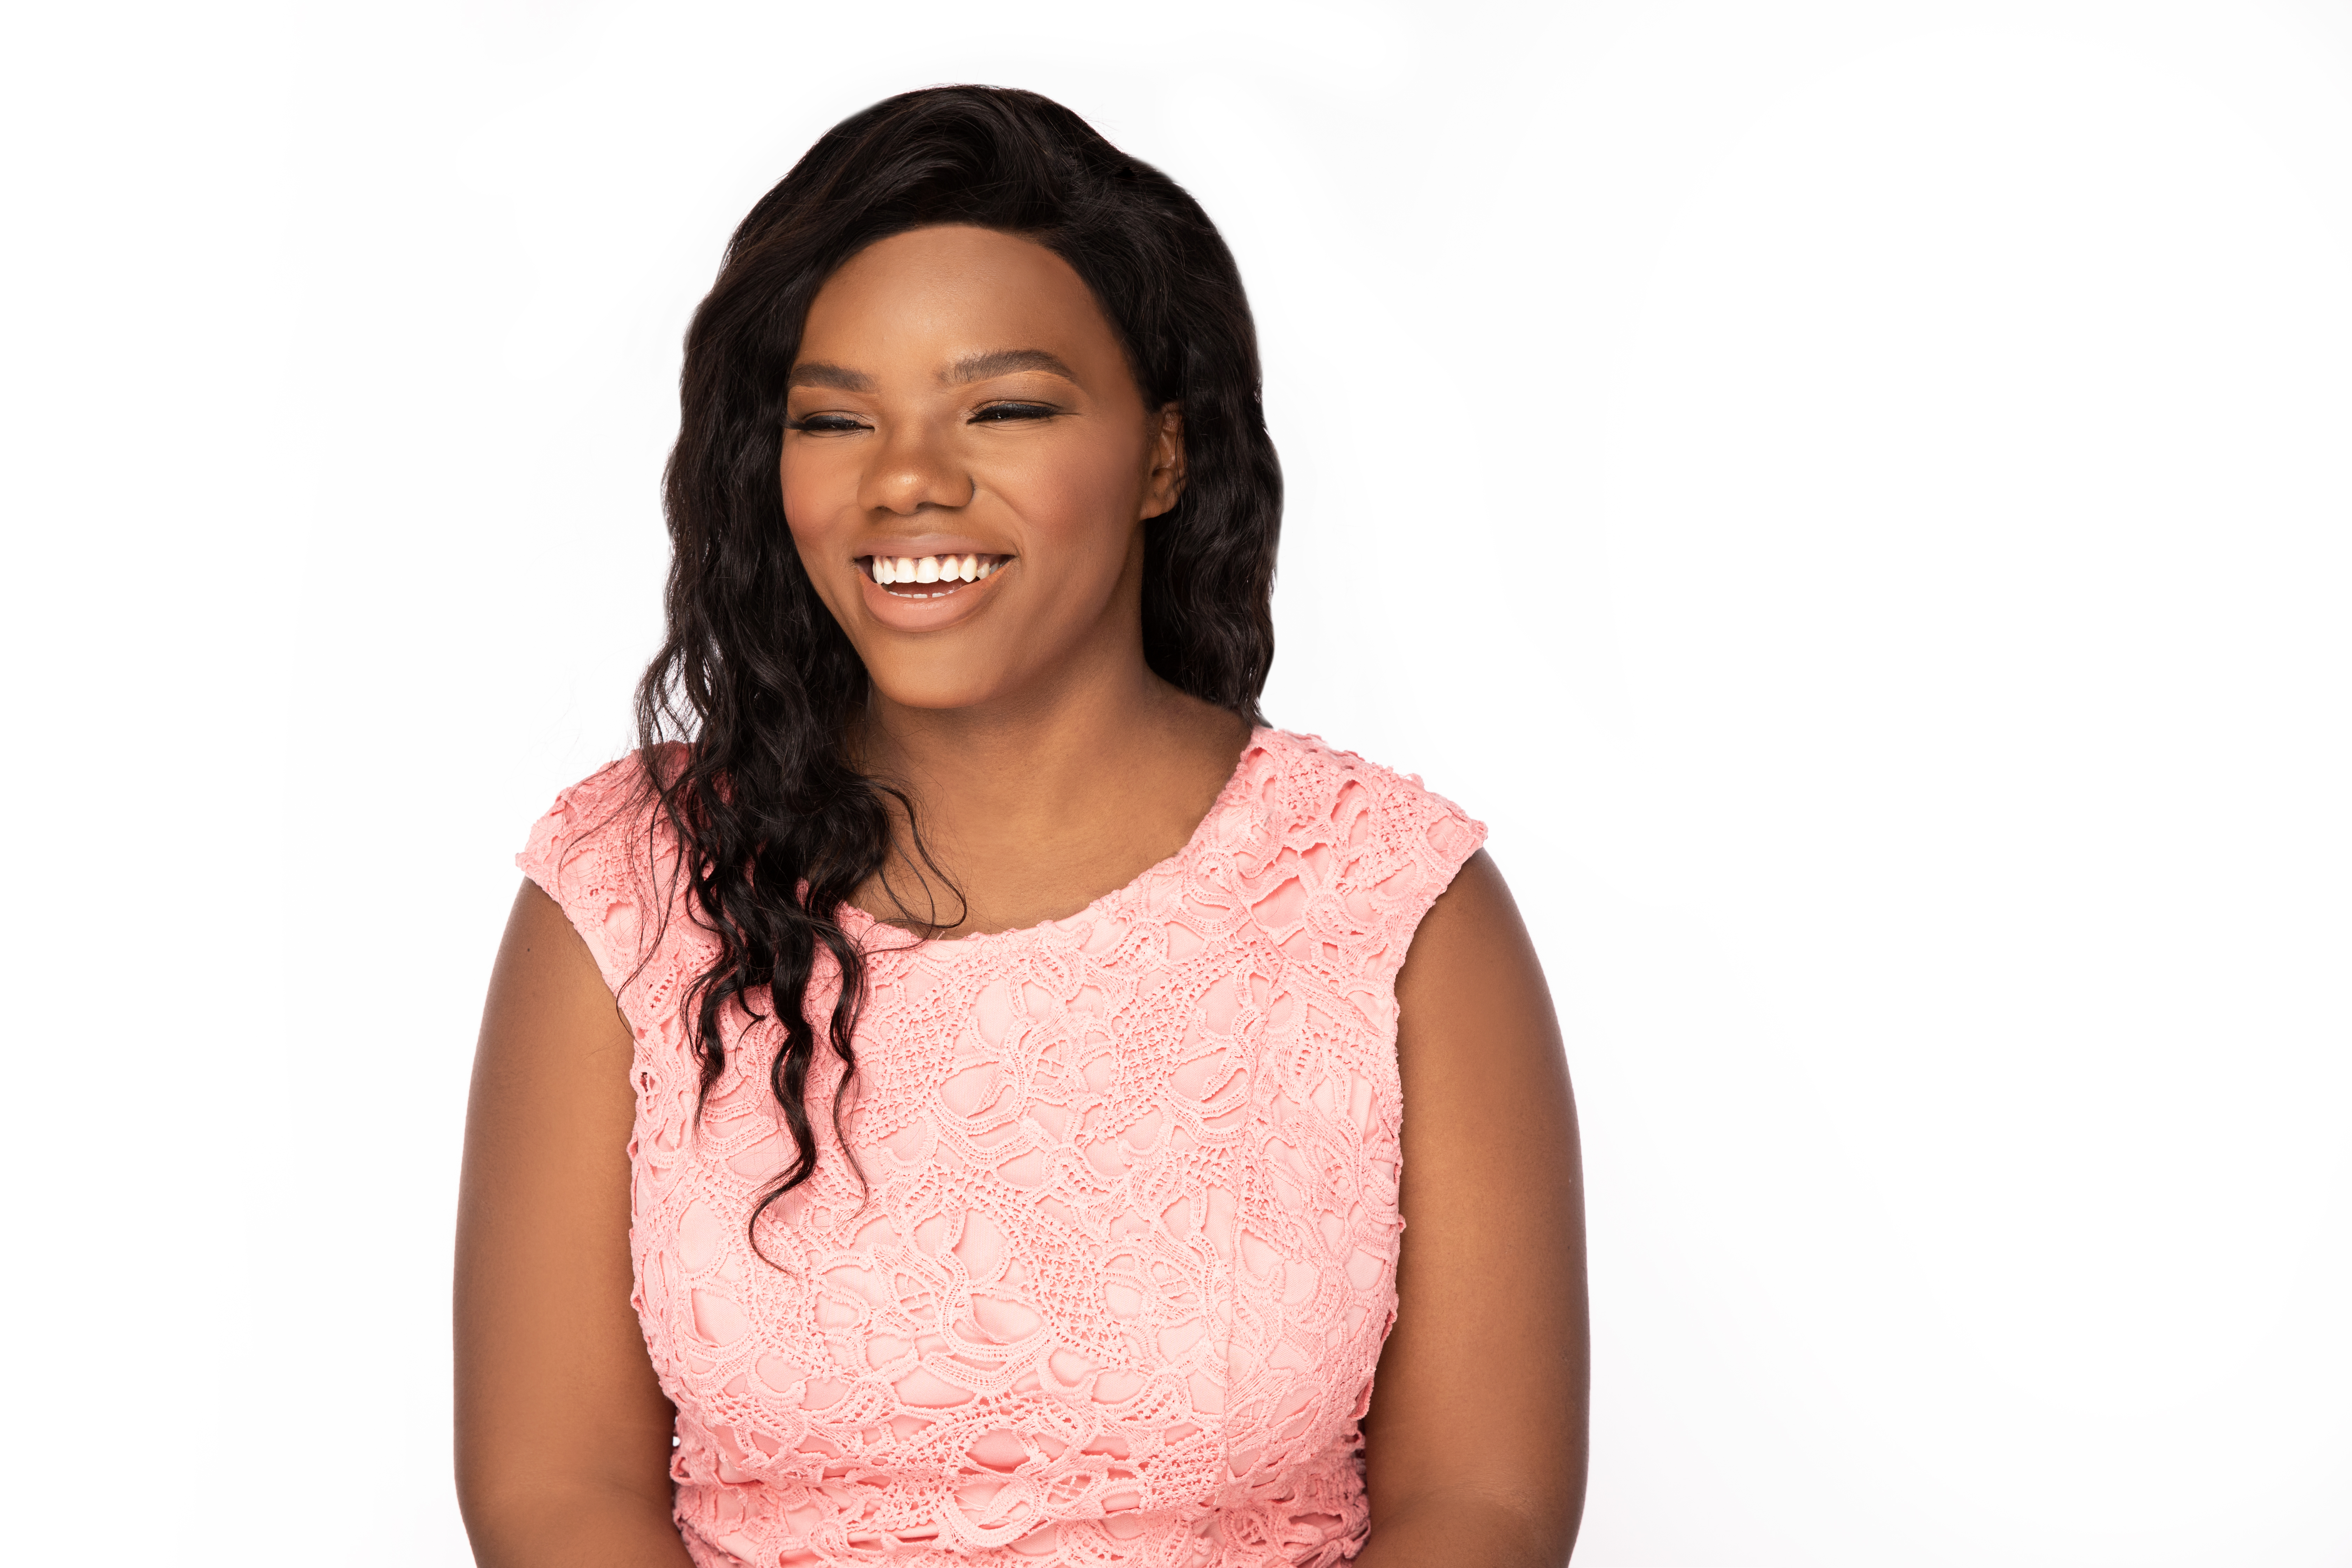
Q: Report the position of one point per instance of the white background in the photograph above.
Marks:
(1856, 495)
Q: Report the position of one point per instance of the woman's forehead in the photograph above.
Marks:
(954, 304)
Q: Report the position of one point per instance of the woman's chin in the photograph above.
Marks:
(938, 681)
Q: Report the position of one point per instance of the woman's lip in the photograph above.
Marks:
(937, 545)
(924, 607)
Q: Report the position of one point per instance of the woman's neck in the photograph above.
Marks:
(1035, 805)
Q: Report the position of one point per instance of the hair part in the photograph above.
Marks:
(776, 827)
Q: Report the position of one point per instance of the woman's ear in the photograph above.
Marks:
(1165, 484)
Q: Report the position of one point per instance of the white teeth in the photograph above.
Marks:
(934, 568)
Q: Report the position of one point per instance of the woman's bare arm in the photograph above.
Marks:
(563, 1436)
(1475, 1446)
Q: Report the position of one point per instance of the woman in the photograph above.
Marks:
(948, 1105)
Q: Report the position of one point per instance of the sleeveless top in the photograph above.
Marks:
(1114, 1282)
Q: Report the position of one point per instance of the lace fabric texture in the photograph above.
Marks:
(1114, 1284)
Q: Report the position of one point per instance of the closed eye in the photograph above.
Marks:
(1004, 413)
(824, 424)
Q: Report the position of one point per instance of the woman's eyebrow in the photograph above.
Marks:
(816, 373)
(1005, 362)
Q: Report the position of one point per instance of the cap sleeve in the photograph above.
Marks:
(1424, 838)
(593, 854)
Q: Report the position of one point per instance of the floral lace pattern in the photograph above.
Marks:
(1119, 1271)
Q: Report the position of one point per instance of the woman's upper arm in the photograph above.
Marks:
(563, 1435)
(1478, 1421)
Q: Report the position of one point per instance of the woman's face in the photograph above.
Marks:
(961, 417)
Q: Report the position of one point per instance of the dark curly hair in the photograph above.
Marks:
(776, 823)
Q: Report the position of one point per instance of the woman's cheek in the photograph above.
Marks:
(1075, 492)
(810, 508)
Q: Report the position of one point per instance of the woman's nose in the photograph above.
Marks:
(914, 468)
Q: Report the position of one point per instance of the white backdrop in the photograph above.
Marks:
(1855, 494)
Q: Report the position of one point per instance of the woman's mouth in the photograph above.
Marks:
(927, 576)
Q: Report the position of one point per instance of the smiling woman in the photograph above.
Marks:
(943, 449)
(943, 1099)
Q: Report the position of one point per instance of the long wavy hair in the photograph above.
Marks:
(776, 823)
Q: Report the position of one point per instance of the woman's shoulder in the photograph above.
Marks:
(618, 802)
(1386, 830)
(594, 852)
(1313, 781)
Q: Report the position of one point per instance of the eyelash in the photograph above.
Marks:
(994, 414)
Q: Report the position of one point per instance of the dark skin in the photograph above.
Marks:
(961, 393)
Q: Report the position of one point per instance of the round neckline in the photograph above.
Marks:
(859, 924)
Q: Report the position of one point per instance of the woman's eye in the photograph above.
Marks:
(825, 424)
(1002, 413)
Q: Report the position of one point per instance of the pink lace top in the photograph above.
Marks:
(1116, 1285)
